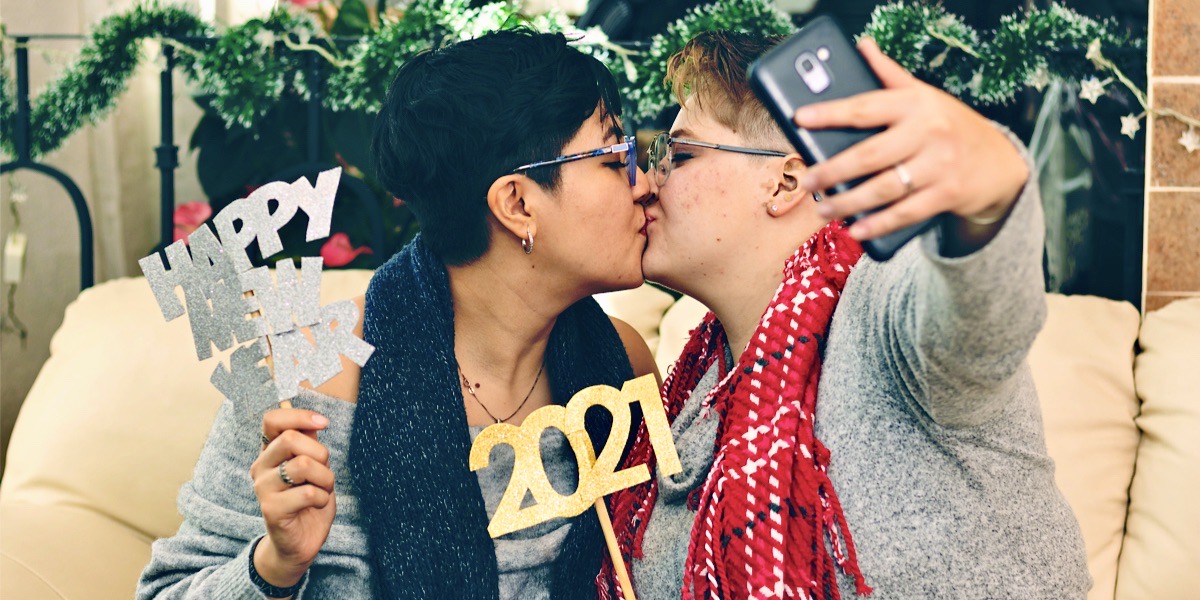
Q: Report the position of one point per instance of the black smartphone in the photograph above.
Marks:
(817, 64)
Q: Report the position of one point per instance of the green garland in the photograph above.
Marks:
(1027, 50)
(647, 91)
(251, 66)
(90, 86)
(361, 83)
(244, 73)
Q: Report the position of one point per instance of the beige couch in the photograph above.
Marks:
(117, 417)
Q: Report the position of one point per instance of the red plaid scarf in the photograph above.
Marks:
(767, 508)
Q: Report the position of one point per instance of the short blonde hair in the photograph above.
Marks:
(711, 68)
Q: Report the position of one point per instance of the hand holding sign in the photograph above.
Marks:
(598, 476)
(228, 302)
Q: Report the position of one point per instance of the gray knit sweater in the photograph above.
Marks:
(929, 409)
(208, 557)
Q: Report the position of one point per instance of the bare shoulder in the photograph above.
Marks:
(344, 385)
(640, 357)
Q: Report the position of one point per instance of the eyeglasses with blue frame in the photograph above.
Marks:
(628, 146)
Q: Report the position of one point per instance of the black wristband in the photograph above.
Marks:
(266, 588)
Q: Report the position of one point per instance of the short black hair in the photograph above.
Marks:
(458, 118)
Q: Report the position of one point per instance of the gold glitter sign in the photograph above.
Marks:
(598, 476)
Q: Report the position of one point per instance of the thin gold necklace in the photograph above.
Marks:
(471, 387)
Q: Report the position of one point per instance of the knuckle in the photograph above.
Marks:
(290, 438)
(953, 189)
(944, 157)
(869, 154)
(941, 126)
(271, 420)
(311, 494)
(301, 463)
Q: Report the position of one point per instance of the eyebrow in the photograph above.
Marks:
(615, 131)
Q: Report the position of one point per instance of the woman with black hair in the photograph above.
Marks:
(510, 152)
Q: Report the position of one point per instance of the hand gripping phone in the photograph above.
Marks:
(817, 64)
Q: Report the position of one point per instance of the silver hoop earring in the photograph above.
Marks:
(527, 244)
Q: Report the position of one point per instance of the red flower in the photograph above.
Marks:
(337, 251)
(305, 3)
(188, 217)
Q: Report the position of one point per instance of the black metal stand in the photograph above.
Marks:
(87, 272)
(167, 152)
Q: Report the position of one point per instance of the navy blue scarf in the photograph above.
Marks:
(421, 507)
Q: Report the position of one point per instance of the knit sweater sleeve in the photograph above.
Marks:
(209, 556)
(199, 564)
(964, 326)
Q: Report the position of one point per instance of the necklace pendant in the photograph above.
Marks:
(499, 421)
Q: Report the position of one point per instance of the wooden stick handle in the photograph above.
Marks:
(614, 551)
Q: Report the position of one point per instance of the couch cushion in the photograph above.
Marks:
(1082, 365)
(118, 414)
(67, 552)
(1161, 557)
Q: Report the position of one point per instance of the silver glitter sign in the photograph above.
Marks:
(229, 302)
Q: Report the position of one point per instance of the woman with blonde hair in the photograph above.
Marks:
(846, 424)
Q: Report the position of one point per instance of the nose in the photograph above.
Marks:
(645, 190)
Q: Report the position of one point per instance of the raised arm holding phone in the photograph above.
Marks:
(845, 424)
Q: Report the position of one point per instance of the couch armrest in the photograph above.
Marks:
(55, 551)
(1161, 555)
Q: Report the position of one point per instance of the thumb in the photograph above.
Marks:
(889, 71)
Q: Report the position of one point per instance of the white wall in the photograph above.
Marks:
(113, 165)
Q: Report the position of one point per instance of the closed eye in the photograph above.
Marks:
(615, 165)
(680, 157)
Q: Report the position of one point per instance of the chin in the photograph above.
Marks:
(660, 270)
(633, 278)
(623, 279)
(653, 267)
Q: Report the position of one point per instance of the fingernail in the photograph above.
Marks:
(825, 210)
(858, 231)
(809, 182)
(805, 115)
(320, 420)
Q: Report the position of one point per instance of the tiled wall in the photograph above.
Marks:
(1173, 175)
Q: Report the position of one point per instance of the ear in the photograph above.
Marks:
(788, 194)
(513, 201)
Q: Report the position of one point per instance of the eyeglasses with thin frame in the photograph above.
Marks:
(628, 146)
(662, 152)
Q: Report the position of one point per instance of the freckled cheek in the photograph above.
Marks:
(696, 197)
